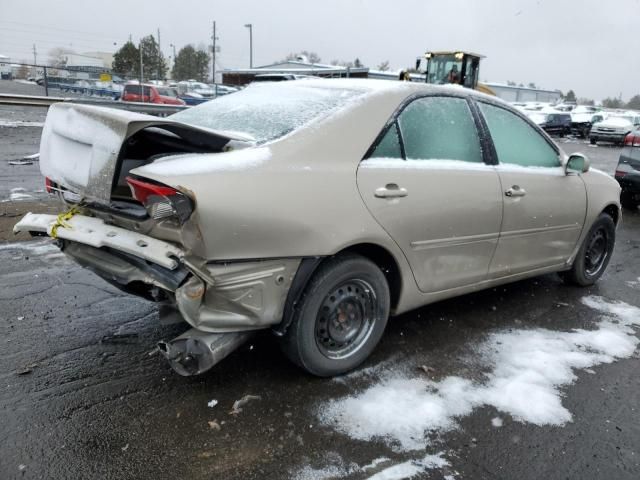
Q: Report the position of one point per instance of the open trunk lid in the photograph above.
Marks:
(82, 145)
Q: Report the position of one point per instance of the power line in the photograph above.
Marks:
(47, 27)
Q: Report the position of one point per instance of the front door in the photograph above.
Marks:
(427, 185)
(544, 208)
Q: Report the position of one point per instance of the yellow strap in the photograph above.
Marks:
(61, 221)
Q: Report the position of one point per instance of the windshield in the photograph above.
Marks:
(267, 111)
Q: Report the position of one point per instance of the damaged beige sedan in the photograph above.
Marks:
(317, 209)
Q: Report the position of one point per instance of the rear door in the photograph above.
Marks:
(427, 185)
(544, 208)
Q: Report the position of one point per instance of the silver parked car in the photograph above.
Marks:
(317, 209)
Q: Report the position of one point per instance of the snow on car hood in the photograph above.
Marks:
(81, 144)
(581, 117)
(615, 122)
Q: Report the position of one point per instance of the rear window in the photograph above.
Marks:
(269, 110)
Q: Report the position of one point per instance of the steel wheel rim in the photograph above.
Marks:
(345, 319)
(597, 252)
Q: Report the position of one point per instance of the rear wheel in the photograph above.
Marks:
(593, 140)
(594, 253)
(340, 318)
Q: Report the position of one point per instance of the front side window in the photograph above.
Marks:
(517, 142)
(439, 128)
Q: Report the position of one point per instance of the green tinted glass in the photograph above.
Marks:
(517, 142)
(389, 146)
(440, 128)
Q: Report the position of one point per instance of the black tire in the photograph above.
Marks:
(627, 201)
(594, 253)
(593, 140)
(340, 318)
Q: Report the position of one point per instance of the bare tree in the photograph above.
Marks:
(23, 71)
(58, 56)
(383, 66)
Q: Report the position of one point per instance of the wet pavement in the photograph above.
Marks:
(85, 394)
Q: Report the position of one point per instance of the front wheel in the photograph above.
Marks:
(593, 140)
(594, 253)
(340, 317)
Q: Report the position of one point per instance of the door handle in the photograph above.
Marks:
(515, 191)
(391, 190)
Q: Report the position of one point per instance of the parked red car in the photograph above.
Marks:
(150, 94)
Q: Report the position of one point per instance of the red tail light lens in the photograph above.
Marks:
(160, 200)
(620, 174)
(49, 185)
(632, 140)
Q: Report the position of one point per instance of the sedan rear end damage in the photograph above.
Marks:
(223, 302)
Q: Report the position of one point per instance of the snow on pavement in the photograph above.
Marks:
(527, 371)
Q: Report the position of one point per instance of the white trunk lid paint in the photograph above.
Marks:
(81, 145)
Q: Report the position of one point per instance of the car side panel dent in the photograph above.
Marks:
(245, 295)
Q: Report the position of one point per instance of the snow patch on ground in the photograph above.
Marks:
(411, 468)
(496, 422)
(528, 368)
(35, 247)
(19, 123)
(634, 283)
(338, 468)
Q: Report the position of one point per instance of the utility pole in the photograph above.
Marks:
(35, 58)
(213, 59)
(250, 27)
(141, 75)
(159, 57)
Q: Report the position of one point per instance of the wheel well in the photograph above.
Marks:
(387, 263)
(613, 212)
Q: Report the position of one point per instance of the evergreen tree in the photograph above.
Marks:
(126, 61)
(191, 63)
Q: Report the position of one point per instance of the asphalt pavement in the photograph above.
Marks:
(85, 394)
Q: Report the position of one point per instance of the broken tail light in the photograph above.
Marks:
(49, 185)
(161, 201)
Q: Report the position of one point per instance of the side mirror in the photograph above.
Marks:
(577, 163)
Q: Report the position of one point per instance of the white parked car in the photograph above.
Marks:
(614, 128)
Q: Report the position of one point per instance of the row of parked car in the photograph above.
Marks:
(188, 92)
(586, 122)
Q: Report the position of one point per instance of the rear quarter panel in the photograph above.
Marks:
(293, 197)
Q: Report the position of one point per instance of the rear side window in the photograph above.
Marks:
(439, 128)
(517, 142)
(389, 146)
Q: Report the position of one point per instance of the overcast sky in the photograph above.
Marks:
(588, 46)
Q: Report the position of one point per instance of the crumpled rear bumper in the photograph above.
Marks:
(212, 297)
(94, 232)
